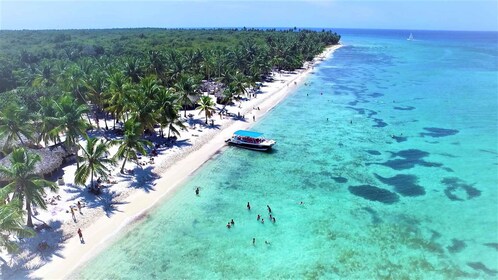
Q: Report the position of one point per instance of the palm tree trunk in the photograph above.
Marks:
(20, 139)
(105, 121)
(206, 118)
(91, 180)
(124, 162)
(96, 113)
(28, 208)
(89, 120)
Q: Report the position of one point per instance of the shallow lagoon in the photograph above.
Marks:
(396, 165)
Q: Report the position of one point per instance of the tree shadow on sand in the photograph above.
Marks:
(144, 179)
(37, 251)
(105, 200)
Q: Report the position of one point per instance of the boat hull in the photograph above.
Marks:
(263, 148)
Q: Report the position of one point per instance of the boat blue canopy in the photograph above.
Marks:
(248, 133)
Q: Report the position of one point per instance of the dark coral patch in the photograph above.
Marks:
(399, 139)
(453, 185)
(412, 154)
(407, 108)
(492, 245)
(399, 164)
(404, 184)
(480, 266)
(340, 179)
(410, 158)
(363, 111)
(373, 152)
(379, 123)
(374, 194)
(375, 94)
(456, 246)
(438, 132)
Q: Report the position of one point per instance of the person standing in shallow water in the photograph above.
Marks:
(248, 206)
(197, 191)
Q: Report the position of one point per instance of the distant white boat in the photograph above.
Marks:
(410, 38)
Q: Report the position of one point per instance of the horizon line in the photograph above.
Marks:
(247, 27)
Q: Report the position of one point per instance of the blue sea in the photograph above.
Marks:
(385, 167)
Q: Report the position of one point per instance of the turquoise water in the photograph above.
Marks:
(396, 165)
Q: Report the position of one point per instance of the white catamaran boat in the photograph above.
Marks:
(410, 38)
(250, 140)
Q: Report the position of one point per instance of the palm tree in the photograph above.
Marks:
(207, 106)
(95, 85)
(14, 125)
(185, 87)
(69, 119)
(174, 123)
(44, 75)
(94, 162)
(239, 83)
(132, 143)
(156, 64)
(143, 105)
(24, 185)
(11, 223)
(118, 95)
(133, 70)
(46, 121)
(168, 106)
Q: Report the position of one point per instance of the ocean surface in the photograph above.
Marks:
(392, 148)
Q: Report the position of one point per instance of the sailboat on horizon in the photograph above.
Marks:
(410, 38)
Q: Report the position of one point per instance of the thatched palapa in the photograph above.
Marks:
(51, 158)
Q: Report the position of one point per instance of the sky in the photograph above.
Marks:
(480, 15)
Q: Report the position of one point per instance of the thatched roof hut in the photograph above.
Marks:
(51, 158)
(16, 143)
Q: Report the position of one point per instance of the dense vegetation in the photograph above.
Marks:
(53, 83)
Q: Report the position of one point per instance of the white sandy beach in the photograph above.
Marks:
(130, 197)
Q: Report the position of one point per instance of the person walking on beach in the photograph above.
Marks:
(253, 118)
(79, 207)
(72, 213)
(80, 234)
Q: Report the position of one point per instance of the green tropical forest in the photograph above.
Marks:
(57, 85)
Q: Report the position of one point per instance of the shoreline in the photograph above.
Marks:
(174, 169)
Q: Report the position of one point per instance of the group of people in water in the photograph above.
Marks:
(231, 223)
(259, 218)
